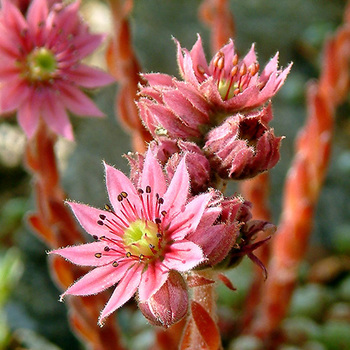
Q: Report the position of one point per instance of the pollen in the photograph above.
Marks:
(142, 239)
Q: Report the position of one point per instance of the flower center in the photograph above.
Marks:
(142, 239)
(238, 78)
(41, 65)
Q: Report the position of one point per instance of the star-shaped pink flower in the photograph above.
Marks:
(228, 83)
(141, 238)
(41, 71)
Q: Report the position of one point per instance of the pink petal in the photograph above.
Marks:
(98, 279)
(89, 77)
(152, 175)
(55, 115)
(12, 95)
(177, 192)
(152, 279)
(193, 96)
(216, 241)
(269, 69)
(77, 102)
(282, 77)
(198, 56)
(13, 18)
(28, 115)
(187, 220)
(37, 14)
(66, 19)
(250, 57)
(84, 254)
(158, 79)
(85, 44)
(183, 107)
(183, 256)
(88, 217)
(117, 183)
(124, 291)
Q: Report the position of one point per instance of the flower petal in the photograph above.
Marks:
(98, 280)
(88, 217)
(152, 279)
(55, 115)
(152, 175)
(177, 192)
(37, 14)
(90, 77)
(183, 256)
(123, 292)
(187, 221)
(28, 115)
(117, 183)
(85, 254)
(77, 102)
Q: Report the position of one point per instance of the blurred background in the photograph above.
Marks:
(31, 316)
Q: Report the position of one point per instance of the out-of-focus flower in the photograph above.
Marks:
(141, 239)
(243, 145)
(228, 83)
(41, 71)
(170, 153)
(169, 304)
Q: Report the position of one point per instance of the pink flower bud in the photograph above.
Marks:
(169, 304)
(169, 153)
(243, 145)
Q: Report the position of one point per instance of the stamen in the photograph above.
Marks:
(115, 264)
(102, 216)
(98, 255)
(124, 194)
(108, 207)
(128, 254)
(100, 222)
(148, 189)
(235, 60)
(106, 248)
(95, 237)
(200, 69)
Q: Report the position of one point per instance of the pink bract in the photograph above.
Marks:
(141, 238)
(41, 71)
(228, 83)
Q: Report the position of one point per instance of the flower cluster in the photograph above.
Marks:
(170, 218)
(221, 104)
(41, 71)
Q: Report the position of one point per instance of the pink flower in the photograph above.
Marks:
(243, 145)
(209, 93)
(41, 73)
(229, 84)
(141, 239)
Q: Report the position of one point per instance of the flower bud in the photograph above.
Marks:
(243, 145)
(169, 304)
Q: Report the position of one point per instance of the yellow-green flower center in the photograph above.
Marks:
(227, 88)
(142, 239)
(41, 65)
